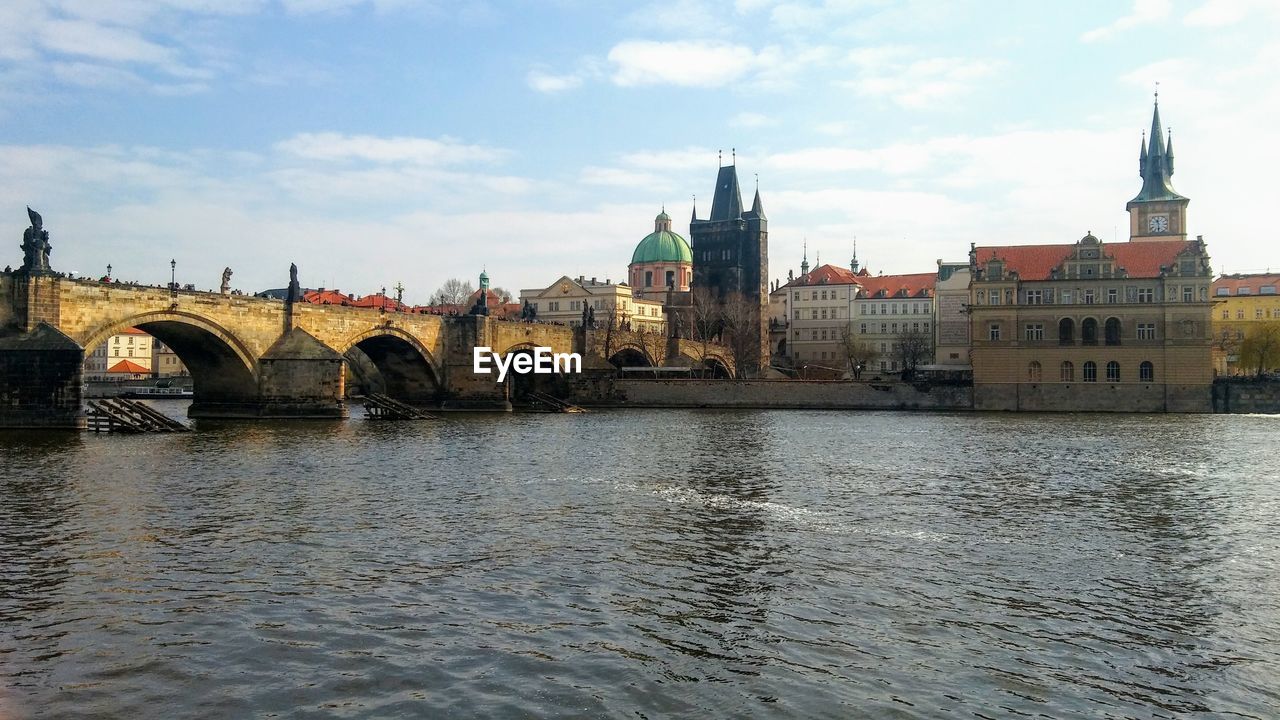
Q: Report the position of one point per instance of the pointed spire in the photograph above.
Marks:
(804, 264)
(757, 207)
(1155, 162)
(694, 219)
(853, 264)
(727, 202)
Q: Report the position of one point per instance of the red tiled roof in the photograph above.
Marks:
(916, 285)
(326, 297)
(1253, 282)
(134, 331)
(1036, 262)
(379, 301)
(825, 275)
(128, 366)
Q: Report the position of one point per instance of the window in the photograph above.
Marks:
(873, 309)
(1066, 297)
(1146, 331)
(1035, 297)
(671, 278)
(1067, 372)
(1244, 291)
(863, 329)
(1111, 331)
(1239, 313)
(993, 332)
(1226, 314)
(1113, 295)
(994, 297)
(813, 314)
(824, 294)
(884, 328)
(648, 278)
(797, 314)
(1267, 290)
(1033, 371)
(1091, 371)
(814, 335)
(1088, 297)
(1257, 313)
(1066, 331)
(824, 313)
(1146, 295)
(824, 333)
(1113, 371)
(130, 341)
(1035, 331)
(797, 295)
(1089, 331)
(1188, 293)
(1226, 291)
(895, 328)
(1146, 371)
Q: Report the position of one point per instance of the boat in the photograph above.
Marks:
(157, 393)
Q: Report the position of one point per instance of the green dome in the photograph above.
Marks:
(662, 246)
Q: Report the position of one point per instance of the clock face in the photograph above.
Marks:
(1158, 223)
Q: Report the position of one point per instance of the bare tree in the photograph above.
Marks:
(1261, 347)
(504, 295)
(654, 344)
(452, 292)
(859, 352)
(740, 320)
(703, 317)
(912, 348)
(609, 321)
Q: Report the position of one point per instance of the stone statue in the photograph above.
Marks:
(226, 281)
(295, 290)
(35, 247)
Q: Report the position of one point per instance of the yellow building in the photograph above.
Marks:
(126, 356)
(564, 301)
(1121, 326)
(1239, 302)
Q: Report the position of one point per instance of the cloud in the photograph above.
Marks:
(682, 63)
(1144, 12)
(752, 120)
(331, 147)
(1221, 13)
(920, 83)
(547, 83)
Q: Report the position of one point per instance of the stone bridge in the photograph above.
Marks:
(253, 357)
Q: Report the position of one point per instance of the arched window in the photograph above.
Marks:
(1089, 331)
(1113, 371)
(1033, 371)
(648, 278)
(1066, 331)
(1068, 372)
(1146, 371)
(1091, 371)
(1111, 331)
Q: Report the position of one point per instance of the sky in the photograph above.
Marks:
(385, 142)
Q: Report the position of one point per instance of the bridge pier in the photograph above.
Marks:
(464, 390)
(41, 383)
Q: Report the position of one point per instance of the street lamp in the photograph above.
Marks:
(173, 279)
(108, 271)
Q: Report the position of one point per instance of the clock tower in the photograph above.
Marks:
(1157, 213)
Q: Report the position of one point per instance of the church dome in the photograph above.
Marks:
(662, 245)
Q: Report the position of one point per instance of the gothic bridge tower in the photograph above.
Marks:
(731, 259)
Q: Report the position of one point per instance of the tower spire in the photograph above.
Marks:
(853, 265)
(1155, 161)
(804, 263)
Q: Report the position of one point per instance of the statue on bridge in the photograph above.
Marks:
(35, 247)
(226, 281)
(295, 290)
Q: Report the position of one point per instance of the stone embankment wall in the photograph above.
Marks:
(803, 394)
(1246, 396)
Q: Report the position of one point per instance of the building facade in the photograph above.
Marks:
(813, 312)
(565, 299)
(951, 317)
(890, 307)
(1240, 302)
(125, 356)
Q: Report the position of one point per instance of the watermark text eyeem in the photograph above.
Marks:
(542, 362)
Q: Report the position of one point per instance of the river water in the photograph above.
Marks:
(647, 564)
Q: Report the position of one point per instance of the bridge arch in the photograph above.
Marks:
(395, 363)
(630, 355)
(223, 370)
